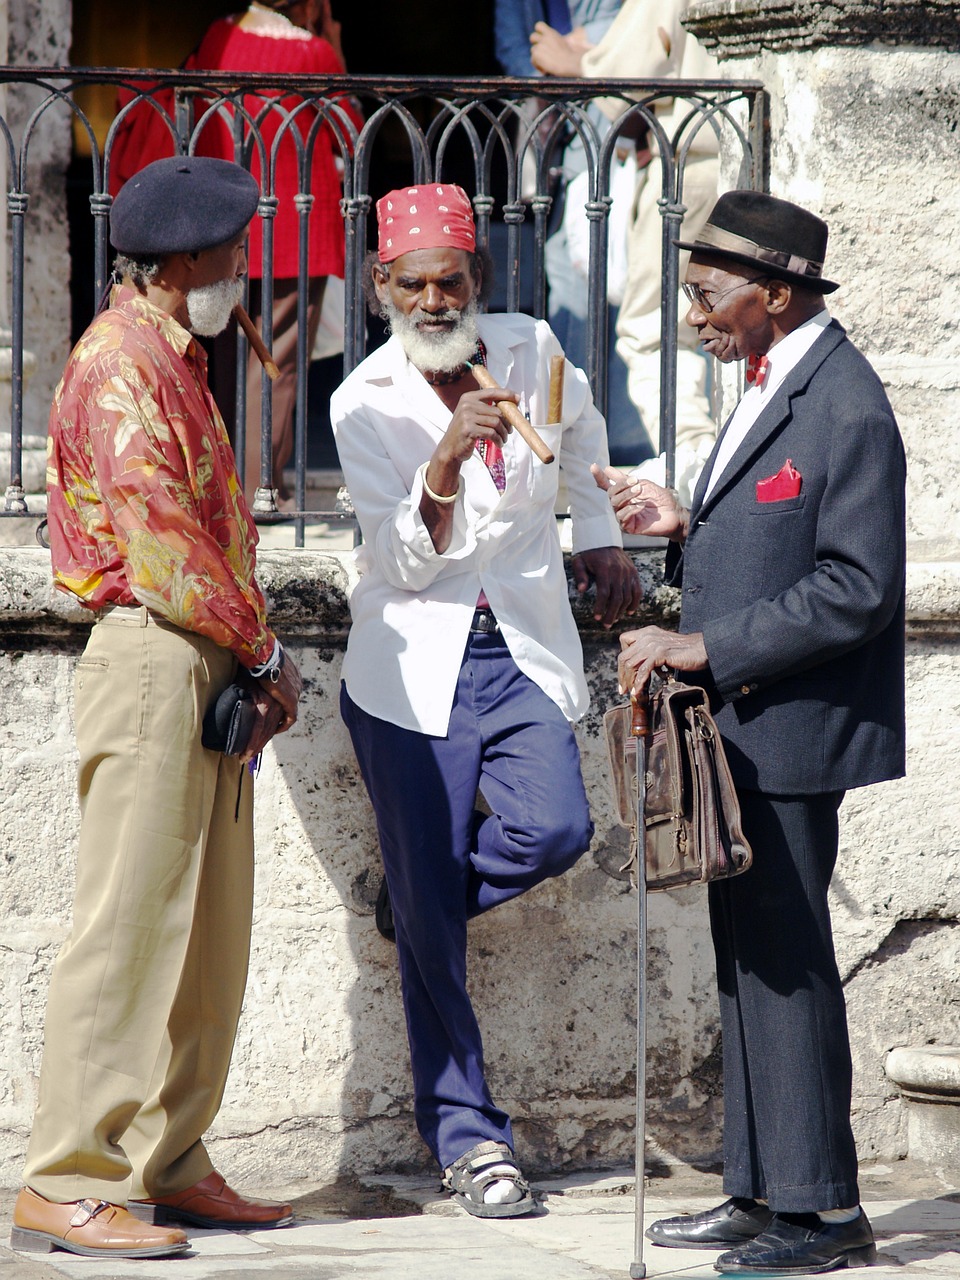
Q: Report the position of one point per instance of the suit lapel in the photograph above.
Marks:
(774, 415)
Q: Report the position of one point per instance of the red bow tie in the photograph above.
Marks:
(757, 367)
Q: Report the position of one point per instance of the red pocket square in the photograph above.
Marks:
(785, 484)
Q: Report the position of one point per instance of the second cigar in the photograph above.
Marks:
(514, 416)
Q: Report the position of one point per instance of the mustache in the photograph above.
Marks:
(452, 315)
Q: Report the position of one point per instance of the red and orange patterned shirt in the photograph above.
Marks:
(143, 501)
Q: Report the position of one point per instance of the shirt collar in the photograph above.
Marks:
(124, 298)
(786, 354)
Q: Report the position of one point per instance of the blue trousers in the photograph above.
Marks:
(445, 861)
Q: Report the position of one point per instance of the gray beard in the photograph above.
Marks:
(209, 308)
(435, 352)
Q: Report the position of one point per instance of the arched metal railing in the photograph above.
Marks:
(482, 132)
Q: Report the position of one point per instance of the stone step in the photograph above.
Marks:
(928, 1076)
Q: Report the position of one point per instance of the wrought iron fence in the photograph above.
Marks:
(502, 139)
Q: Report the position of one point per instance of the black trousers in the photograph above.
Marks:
(786, 1051)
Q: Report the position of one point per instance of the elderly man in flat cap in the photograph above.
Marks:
(149, 530)
(464, 667)
(791, 564)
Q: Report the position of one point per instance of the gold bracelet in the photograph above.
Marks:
(437, 497)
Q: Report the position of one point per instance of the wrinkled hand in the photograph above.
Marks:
(643, 651)
(269, 717)
(285, 693)
(641, 506)
(616, 579)
(476, 417)
(555, 55)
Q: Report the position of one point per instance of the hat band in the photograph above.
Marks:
(712, 237)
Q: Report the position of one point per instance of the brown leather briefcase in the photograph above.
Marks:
(692, 830)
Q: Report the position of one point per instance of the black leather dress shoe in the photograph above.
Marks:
(732, 1222)
(800, 1244)
(383, 914)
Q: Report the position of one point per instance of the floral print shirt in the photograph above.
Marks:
(143, 501)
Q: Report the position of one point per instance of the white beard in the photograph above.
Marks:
(435, 352)
(210, 307)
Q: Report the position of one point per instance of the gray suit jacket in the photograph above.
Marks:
(801, 601)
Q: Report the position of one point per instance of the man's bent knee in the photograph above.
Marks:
(554, 844)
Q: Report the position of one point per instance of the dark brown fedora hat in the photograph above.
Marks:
(790, 243)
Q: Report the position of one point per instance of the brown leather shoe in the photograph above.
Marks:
(211, 1203)
(93, 1228)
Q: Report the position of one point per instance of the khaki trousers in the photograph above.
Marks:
(638, 324)
(146, 993)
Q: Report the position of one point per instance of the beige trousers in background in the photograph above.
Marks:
(638, 322)
(146, 993)
(283, 348)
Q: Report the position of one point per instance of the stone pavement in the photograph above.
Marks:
(399, 1228)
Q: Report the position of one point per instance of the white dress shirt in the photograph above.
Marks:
(413, 605)
(781, 358)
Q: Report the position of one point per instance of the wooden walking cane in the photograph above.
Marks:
(640, 730)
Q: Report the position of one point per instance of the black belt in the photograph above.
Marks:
(484, 620)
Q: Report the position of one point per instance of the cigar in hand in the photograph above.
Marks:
(513, 415)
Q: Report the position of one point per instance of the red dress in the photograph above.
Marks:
(227, 46)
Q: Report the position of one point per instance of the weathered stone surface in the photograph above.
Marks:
(866, 138)
(320, 1074)
(930, 1071)
(739, 28)
(39, 35)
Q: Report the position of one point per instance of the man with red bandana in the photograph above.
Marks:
(464, 668)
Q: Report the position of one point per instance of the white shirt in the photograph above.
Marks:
(413, 605)
(782, 357)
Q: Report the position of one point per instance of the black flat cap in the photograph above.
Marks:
(182, 205)
(762, 231)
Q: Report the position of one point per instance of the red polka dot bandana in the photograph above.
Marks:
(431, 216)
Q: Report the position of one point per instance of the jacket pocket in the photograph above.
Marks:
(780, 508)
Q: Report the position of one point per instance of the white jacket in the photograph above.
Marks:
(413, 606)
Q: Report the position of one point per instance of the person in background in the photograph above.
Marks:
(548, 39)
(290, 37)
(464, 667)
(149, 530)
(648, 41)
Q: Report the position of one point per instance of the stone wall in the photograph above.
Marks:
(863, 131)
(864, 102)
(39, 35)
(320, 1085)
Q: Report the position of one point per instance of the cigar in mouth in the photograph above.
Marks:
(256, 342)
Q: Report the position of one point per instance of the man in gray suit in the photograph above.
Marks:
(791, 564)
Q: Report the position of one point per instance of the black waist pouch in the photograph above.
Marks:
(229, 722)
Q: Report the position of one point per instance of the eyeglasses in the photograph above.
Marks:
(696, 295)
